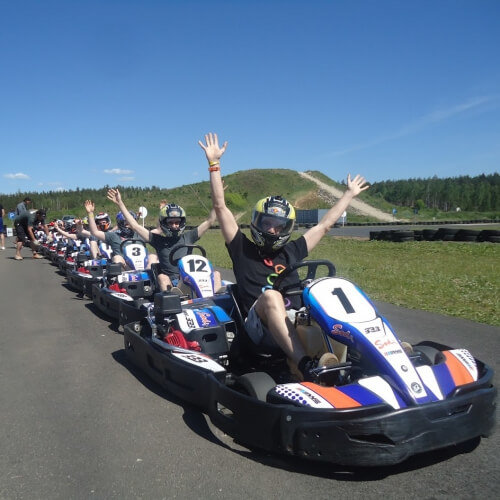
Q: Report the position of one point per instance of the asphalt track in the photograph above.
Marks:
(77, 421)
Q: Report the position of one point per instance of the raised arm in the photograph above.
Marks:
(90, 207)
(205, 225)
(80, 229)
(115, 196)
(64, 233)
(213, 152)
(354, 187)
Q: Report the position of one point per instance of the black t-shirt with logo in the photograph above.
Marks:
(254, 272)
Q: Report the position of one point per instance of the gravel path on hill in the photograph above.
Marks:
(358, 205)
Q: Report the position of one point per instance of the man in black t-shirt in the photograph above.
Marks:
(24, 224)
(257, 262)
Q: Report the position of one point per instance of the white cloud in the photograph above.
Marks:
(19, 175)
(117, 171)
(419, 124)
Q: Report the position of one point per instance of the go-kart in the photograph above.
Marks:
(88, 272)
(383, 402)
(118, 285)
(85, 274)
(196, 280)
(76, 255)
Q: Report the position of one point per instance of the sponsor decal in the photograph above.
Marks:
(310, 395)
(121, 296)
(205, 317)
(337, 330)
(380, 344)
(391, 353)
(404, 368)
(465, 357)
(195, 359)
(189, 320)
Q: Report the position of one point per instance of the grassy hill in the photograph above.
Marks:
(244, 188)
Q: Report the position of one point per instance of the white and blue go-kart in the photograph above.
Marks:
(196, 281)
(381, 403)
(117, 285)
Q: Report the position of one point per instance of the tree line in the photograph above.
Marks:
(480, 193)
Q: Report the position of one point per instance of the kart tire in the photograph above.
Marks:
(256, 384)
(429, 352)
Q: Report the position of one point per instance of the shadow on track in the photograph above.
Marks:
(114, 325)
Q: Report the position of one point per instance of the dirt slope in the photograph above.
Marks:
(358, 205)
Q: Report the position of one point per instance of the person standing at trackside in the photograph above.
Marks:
(2, 236)
(255, 262)
(24, 224)
(24, 206)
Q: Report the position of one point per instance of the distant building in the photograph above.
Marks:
(310, 216)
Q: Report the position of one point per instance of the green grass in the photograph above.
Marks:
(452, 278)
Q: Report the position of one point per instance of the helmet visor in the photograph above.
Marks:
(272, 224)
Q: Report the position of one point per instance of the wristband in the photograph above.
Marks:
(212, 163)
(213, 169)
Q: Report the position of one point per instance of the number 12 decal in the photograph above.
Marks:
(343, 300)
(201, 266)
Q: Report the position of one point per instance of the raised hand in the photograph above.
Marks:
(89, 206)
(114, 196)
(356, 185)
(211, 147)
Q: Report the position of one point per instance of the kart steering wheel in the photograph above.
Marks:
(174, 261)
(312, 268)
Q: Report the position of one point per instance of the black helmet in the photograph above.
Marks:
(272, 222)
(70, 226)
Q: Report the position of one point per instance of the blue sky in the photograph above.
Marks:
(100, 92)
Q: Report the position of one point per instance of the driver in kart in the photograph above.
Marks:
(79, 233)
(112, 238)
(173, 223)
(256, 263)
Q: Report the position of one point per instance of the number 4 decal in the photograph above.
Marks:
(343, 300)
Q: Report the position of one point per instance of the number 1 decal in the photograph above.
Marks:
(343, 300)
